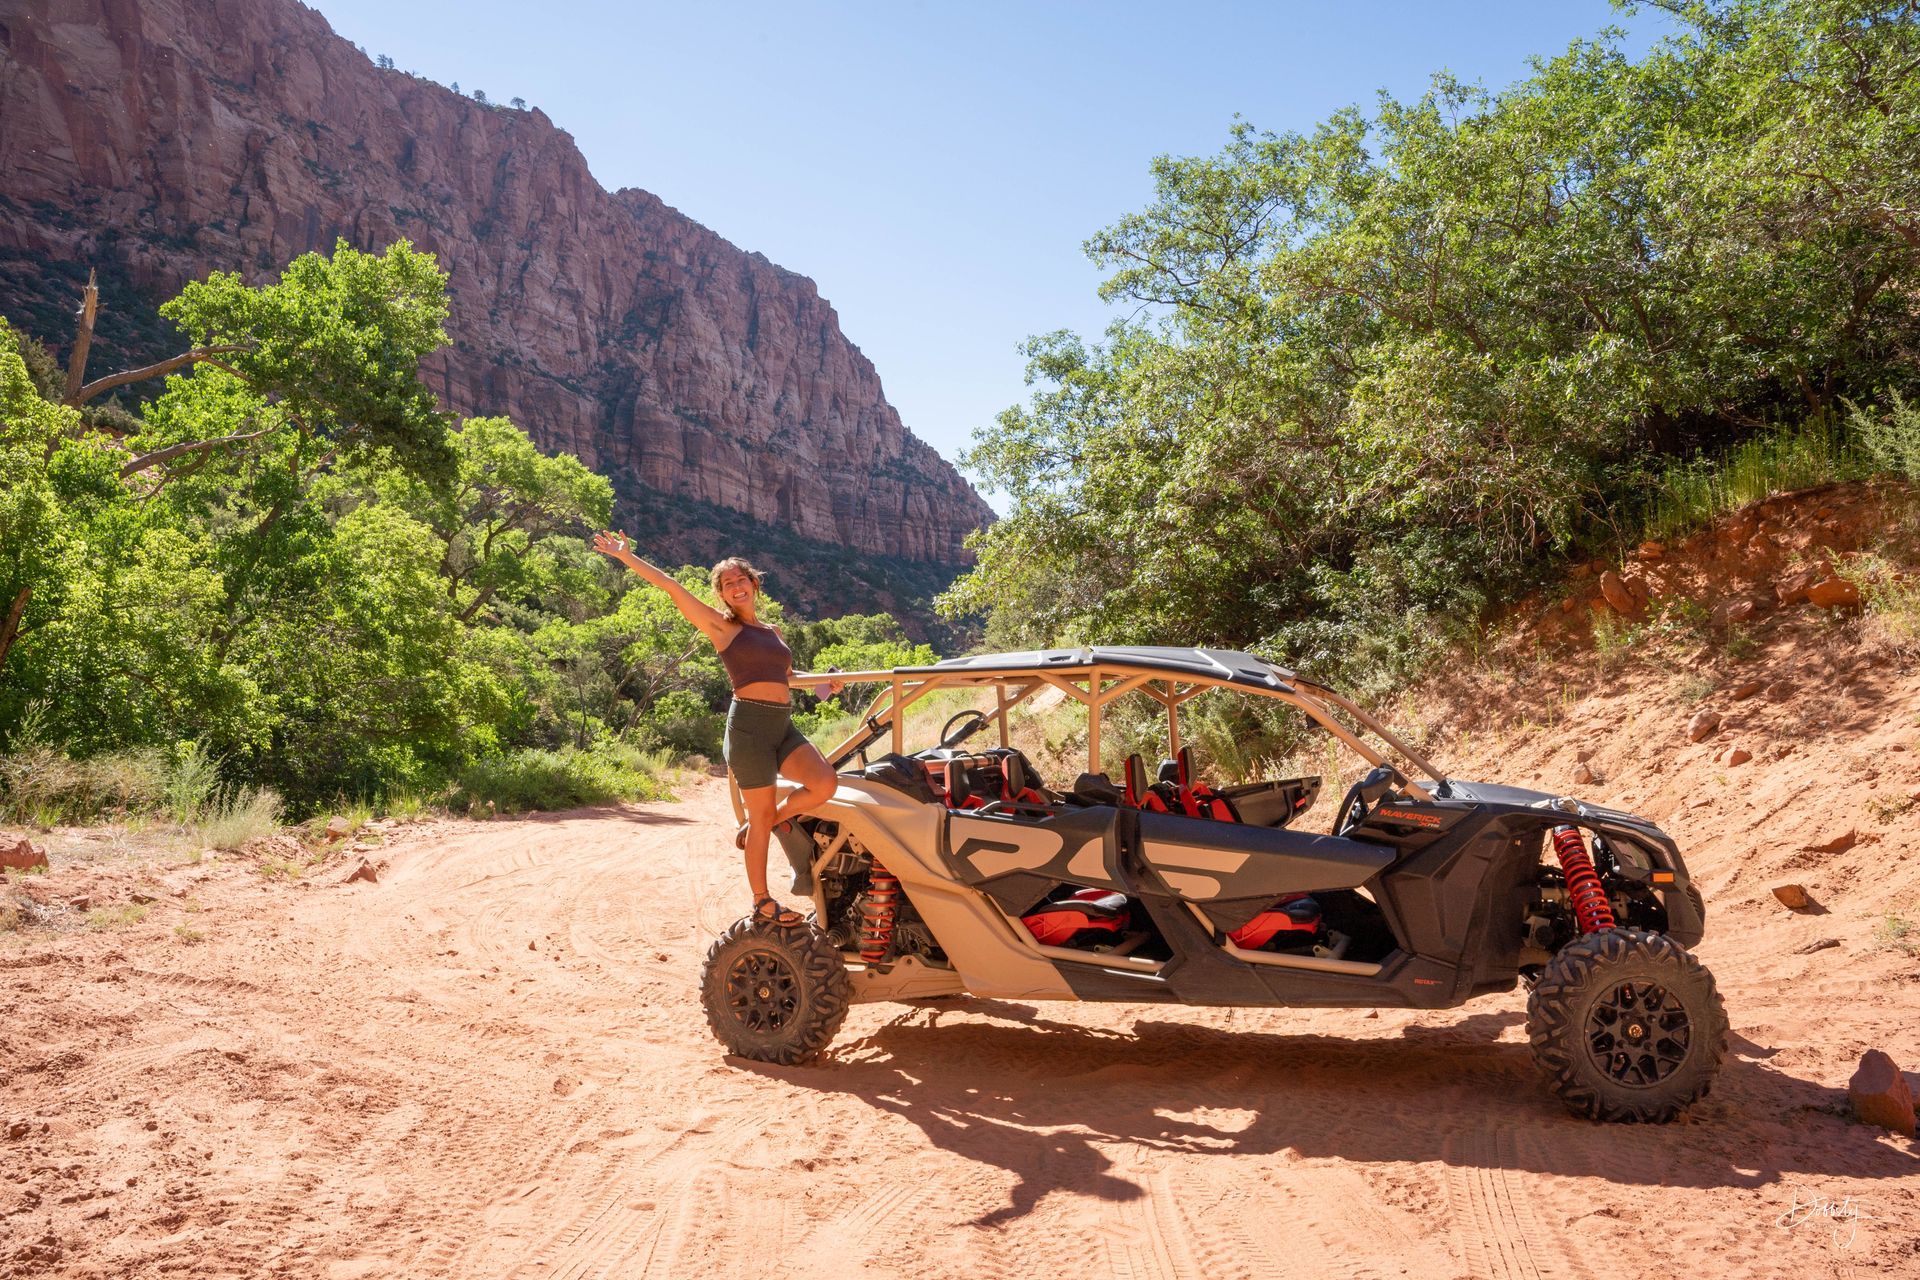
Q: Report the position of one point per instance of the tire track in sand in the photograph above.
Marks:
(627, 1217)
(1318, 1221)
(713, 1233)
(1146, 1236)
(116, 1068)
(852, 1236)
(1497, 1232)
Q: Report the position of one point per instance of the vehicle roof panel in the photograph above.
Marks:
(1229, 665)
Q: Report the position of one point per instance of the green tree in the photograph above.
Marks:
(333, 348)
(1387, 366)
(32, 539)
(291, 563)
(510, 522)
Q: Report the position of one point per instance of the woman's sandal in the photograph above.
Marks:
(740, 836)
(779, 916)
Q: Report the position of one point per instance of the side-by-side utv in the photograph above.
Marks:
(955, 868)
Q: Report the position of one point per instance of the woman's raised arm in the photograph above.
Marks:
(710, 620)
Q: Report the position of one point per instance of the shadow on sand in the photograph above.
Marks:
(1039, 1099)
(609, 813)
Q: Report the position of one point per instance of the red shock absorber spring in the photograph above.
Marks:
(877, 907)
(1584, 891)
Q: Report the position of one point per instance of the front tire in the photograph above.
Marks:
(774, 994)
(1627, 1026)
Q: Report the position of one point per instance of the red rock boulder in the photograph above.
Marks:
(21, 855)
(1878, 1094)
(1834, 593)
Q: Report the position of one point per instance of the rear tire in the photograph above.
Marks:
(1627, 1026)
(774, 994)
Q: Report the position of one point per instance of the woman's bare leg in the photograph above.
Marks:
(759, 802)
(810, 769)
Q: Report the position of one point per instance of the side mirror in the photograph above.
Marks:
(1379, 783)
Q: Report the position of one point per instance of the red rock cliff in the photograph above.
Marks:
(181, 136)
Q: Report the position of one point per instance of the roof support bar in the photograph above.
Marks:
(1095, 685)
(1094, 703)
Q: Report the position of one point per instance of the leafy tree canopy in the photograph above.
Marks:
(290, 561)
(1380, 369)
(334, 346)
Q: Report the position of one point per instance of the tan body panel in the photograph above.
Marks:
(989, 959)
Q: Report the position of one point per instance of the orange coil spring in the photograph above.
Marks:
(877, 907)
(1584, 890)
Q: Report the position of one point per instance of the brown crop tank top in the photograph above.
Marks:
(756, 654)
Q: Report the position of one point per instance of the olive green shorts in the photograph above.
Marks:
(760, 737)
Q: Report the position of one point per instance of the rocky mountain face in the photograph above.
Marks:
(161, 139)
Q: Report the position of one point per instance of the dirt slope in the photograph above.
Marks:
(491, 1062)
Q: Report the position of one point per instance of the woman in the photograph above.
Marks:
(762, 742)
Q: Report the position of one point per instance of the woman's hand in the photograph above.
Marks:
(616, 545)
(711, 622)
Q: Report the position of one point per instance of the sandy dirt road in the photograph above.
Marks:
(492, 1063)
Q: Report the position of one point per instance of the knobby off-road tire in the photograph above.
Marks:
(774, 994)
(1627, 1026)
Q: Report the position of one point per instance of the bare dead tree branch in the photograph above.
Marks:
(83, 336)
(172, 451)
(75, 399)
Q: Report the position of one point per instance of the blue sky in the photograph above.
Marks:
(935, 168)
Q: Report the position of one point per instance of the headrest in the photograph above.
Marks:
(1136, 779)
(1185, 765)
(1096, 788)
(963, 782)
(1170, 771)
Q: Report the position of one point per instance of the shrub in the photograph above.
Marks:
(535, 778)
(192, 777)
(407, 804)
(1892, 439)
(682, 722)
(827, 725)
(1897, 933)
(1613, 638)
(1892, 603)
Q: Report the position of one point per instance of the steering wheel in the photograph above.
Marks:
(971, 721)
(1352, 811)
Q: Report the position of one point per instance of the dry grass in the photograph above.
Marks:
(41, 786)
(244, 814)
(1897, 933)
(290, 868)
(1887, 808)
(118, 916)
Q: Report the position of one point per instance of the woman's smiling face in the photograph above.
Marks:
(737, 589)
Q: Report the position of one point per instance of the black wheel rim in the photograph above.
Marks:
(763, 992)
(1638, 1034)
